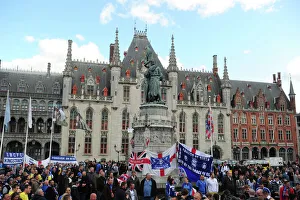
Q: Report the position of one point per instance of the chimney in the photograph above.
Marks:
(111, 52)
(215, 65)
(274, 78)
(279, 79)
(48, 70)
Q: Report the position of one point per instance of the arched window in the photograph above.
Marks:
(182, 122)
(12, 124)
(221, 123)
(196, 141)
(290, 154)
(40, 125)
(125, 120)
(89, 118)
(182, 127)
(88, 144)
(104, 120)
(50, 106)
(73, 115)
(40, 87)
(56, 88)
(163, 94)
(21, 125)
(24, 104)
(282, 153)
(16, 104)
(245, 153)
(195, 123)
(34, 105)
(42, 105)
(4, 85)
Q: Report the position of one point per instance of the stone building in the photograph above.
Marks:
(108, 97)
(263, 120)
(45, 90)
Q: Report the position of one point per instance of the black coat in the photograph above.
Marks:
(50, 193)
(100, 183)
(38, 197)
(107, 192)
(229, 184)
(153, 188)
(120, 194)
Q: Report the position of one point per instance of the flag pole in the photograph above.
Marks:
(29, 125)
(2, 136)
(210, 127)
(25, 148)
(51, 135)
(5, 121)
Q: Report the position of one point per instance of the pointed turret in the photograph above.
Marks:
(172, 59)
(291, 89)
(116, 54)
(67, 76)
(292, 96)
(226, 81)
(68, 67)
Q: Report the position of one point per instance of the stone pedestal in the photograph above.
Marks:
(155, 123)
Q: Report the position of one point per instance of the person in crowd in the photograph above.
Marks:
(109, 190)
(252, 196)
(240, 185)
(187, 185)
(15, 188)
(275, 185)
(134, 179)
(201, 185)
(120, 193)
(212, 184)
(68, 191)
(6, 197)
(132, 192)
(51, 192)
(228, 182)
(25, 193)
(15, 196)
(185, 194)
(148, 189)
(286, 191)
(39, 195)
(100, 183)
(93, 196)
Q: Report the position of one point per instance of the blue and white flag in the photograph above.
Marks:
(193, 163)
(11, 158)
(7, 111)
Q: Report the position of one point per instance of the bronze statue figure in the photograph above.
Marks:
(153, 76)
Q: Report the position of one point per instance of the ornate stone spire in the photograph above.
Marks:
(172, 59)
(116, 54)
(68, 67)
(292, 93)
(226, 81)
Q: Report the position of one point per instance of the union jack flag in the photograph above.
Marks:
(209, 124)
(137, 161)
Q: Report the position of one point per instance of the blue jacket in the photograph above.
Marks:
(201, 186)
(189, 187)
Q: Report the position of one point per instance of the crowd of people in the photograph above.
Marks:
(105, 181)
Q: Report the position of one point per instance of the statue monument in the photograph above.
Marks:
(154, 127)
(153, 76)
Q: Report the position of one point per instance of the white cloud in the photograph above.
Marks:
(247, 51)
(55, 52)
(29, 38)
(107, 11)
(122, 1)
(165, 62)
(271, 9)
(256, 4)
(79, 37)
(293, 67)
(143, 12)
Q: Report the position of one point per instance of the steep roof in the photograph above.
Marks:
(30, 79)
(271, 91)
(91, 70)
(136, 53)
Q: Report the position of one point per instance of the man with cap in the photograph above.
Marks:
(275, 185)
(286, 191)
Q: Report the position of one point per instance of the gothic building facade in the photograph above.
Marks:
(108, 97)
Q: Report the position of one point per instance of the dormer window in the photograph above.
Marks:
(187, 77)
(180, 96)
(243, 94)
(127, 73)
(56, 88)
(4, 85)
(282, 107)
(105, 92)
(183, 85)
(22, 86)
(40, 87)
(209, 88)
(249, 86)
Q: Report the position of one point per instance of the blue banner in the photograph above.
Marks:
(13, 158)
(160, 163)
(64, 159)
(192, 164)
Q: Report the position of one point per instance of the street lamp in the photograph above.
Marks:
(118, 151)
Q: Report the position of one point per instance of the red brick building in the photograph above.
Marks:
(263, 120)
